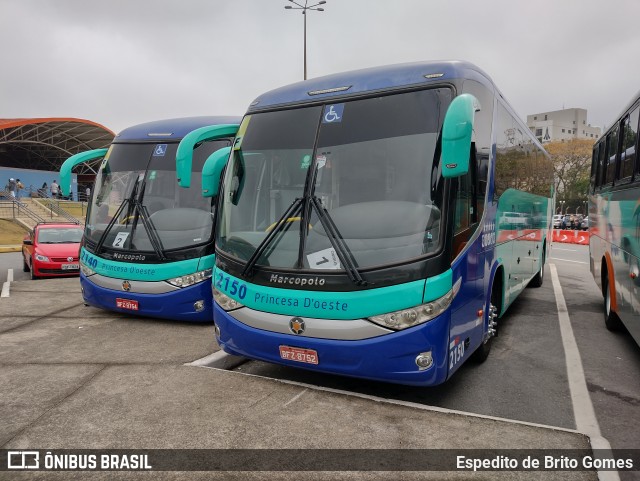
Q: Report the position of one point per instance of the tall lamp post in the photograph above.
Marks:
(304, 9)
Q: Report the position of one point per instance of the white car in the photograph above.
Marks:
(557, 221)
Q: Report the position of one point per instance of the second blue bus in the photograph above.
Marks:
(148, 240)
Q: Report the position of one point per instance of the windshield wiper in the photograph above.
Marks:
(107, 229)
(281, 224)
(142, 212)
(154, 238)
(345, 255)
(127, 201)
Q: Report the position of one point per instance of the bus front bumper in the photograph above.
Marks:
(177, 305)
(388, 358)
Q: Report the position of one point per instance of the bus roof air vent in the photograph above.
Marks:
(433, 75)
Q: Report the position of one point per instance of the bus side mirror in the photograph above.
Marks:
(184, 154)
(211, 171)
(71, 162)
(457, 131)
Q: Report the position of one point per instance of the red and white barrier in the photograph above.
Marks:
(571, 236)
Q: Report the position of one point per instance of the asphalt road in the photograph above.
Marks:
(525, 377)
(12, 260)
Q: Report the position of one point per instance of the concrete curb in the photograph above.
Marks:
(10, 248)
(219, 360)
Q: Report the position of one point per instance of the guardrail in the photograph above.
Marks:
(54, 207)
(566, 236)
(13, 209)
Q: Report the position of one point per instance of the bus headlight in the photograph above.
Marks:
(191, 279)
(87, 271)
(225, 301)
(413, 316)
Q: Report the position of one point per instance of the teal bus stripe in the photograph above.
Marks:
(143, 272)
(438, 286)
(321, 304)
(207, 262)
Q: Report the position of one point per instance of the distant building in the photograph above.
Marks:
(562, 125)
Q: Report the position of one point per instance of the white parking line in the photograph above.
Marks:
(567, 260)
(6, 286)
(423, 407)
(583, 412)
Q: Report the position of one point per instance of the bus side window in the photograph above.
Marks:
(612, 154)
(594, 169)
(466, 212)
(629, 139)
(600, 181)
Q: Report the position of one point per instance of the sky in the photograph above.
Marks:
(123, 62)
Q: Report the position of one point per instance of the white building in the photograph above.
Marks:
(562, 125)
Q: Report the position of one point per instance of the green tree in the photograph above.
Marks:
(572, 167)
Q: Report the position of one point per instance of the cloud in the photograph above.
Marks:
(122, 62)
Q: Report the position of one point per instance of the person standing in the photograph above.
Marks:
(12, 187)
(54, 189)
(88, 193)
(19, 187)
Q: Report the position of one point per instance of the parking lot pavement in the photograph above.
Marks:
(78, 377)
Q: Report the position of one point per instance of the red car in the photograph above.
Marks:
(52, 250)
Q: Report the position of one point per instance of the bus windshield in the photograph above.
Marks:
(138, 205)
(370, 166)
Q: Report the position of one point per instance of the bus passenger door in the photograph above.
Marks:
(468, 264)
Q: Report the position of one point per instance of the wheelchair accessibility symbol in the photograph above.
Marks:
(333, 113)
(160, 150)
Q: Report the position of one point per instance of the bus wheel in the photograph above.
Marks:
(539, 277)
(482, 353)
(611, 319)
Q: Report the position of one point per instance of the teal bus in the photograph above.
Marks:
(614, 220)
(148, 241)
(377, 223)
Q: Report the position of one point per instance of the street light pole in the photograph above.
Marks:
(304, 9)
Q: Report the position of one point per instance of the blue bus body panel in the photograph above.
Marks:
(172, 305)
(370, 80)
(388, 358)
(175, 129)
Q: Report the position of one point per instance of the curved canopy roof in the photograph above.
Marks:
(44, 144)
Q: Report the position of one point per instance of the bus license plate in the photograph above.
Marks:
(70, 267)
(308, 356)
(127, 304)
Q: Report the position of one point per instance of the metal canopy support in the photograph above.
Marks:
(44, 144)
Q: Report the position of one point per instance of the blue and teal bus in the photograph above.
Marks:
(614, 220)
(148, 240)
(376, 223)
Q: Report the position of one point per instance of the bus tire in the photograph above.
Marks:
(481, 354)
(538, 279)
(611, 319)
